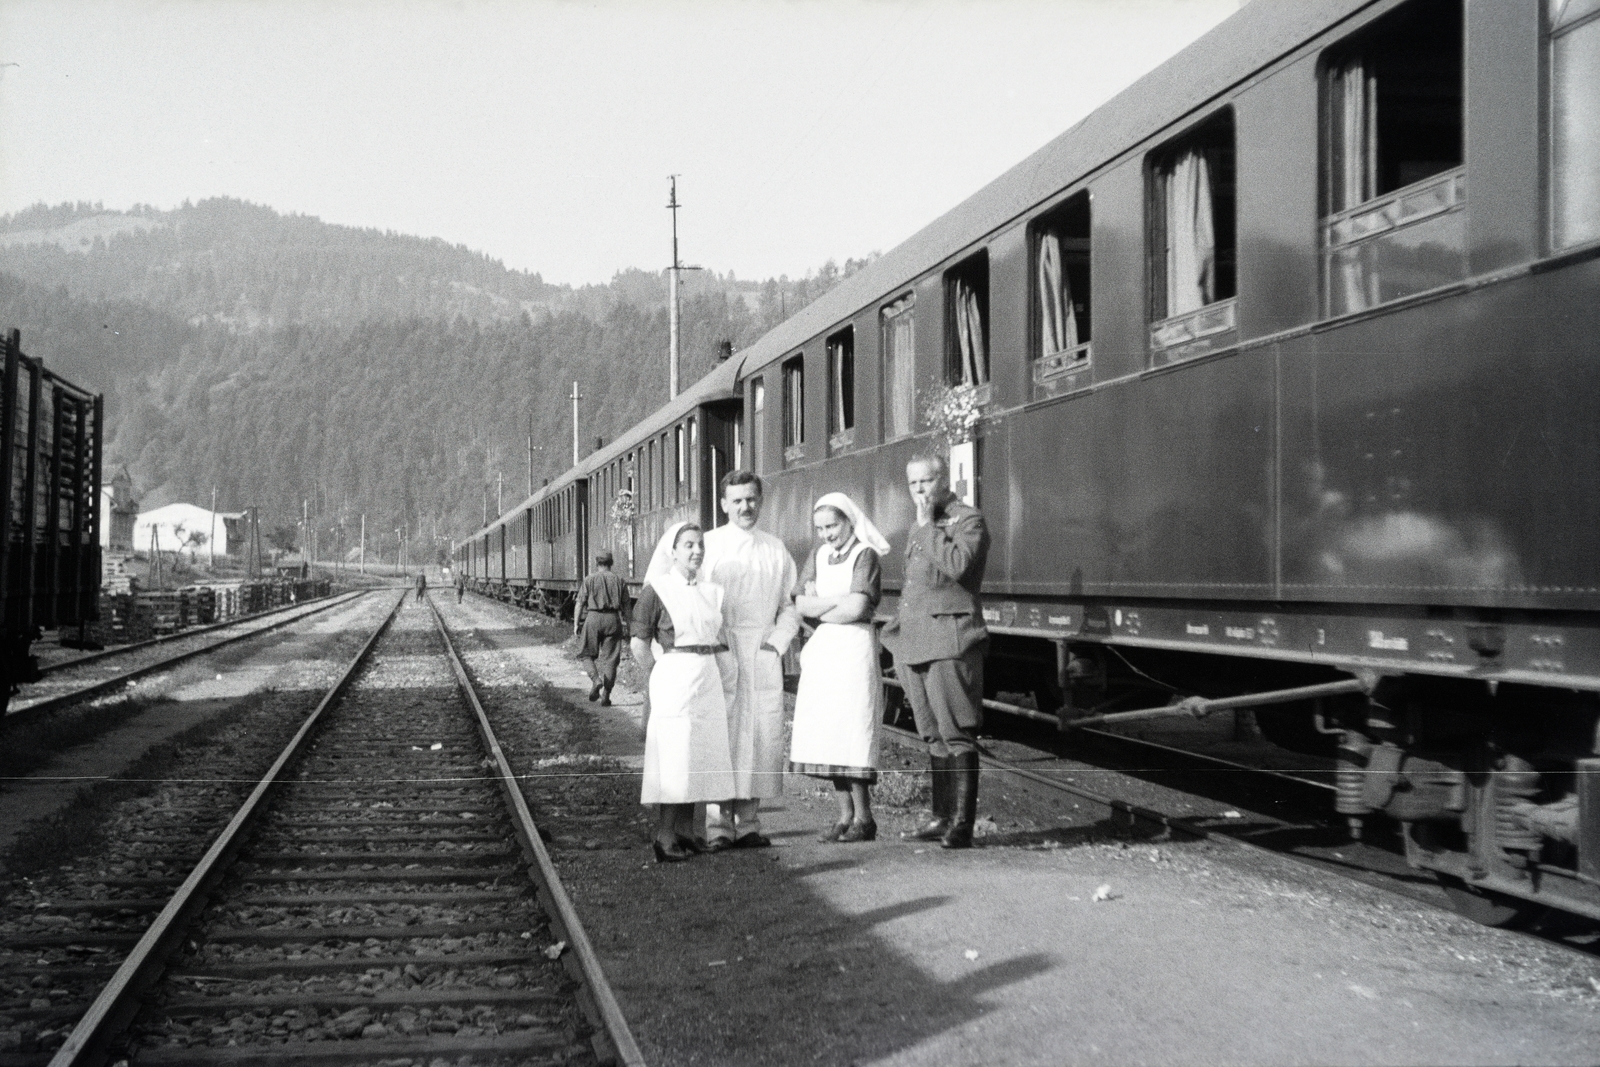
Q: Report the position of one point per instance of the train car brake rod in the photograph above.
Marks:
(1200, 707)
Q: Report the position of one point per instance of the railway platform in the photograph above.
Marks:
(1065, 938)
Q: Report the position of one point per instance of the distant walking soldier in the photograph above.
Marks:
(422, 584)
(461, 585)
(938, 641)
(602, 605)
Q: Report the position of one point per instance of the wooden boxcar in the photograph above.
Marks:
(50, 433)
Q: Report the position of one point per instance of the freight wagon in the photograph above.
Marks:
(50, 433)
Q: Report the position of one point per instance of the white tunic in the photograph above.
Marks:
(757, 576)
(839, 706)
(686, 742)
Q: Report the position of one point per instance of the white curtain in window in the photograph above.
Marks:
(900, 364)
(842, 417)
(1059, 323)
(1575, 123)
(1191, 236)
(969, 335)
(1355, 98)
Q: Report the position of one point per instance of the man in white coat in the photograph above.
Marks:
(757, 576)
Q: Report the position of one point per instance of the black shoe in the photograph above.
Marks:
(751, 841)
(594, 694)
(965, 802)
(675, 854)
(861, 831)
(605, 697)
(718, 844)
(692, 844)
(932, 830)
(833, 833)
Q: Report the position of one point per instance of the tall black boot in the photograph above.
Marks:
(935, 828)
(964, 801)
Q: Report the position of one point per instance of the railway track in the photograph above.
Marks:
(381, 895)
(84, 677)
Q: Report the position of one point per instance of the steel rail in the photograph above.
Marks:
(56, 703)
(177, 635)
(118, 1001)
(563, 914)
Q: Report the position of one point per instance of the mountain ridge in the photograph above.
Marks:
(284, 360)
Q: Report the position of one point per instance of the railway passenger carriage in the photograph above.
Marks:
(1286, 360)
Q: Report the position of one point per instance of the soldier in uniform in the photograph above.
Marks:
(939, 639)
(602, 605)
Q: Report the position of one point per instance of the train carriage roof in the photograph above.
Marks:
(1241, 45)
(720, 383)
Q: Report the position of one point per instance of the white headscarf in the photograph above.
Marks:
(661, 561)
(865, 532)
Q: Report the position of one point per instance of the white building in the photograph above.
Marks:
(174, 524)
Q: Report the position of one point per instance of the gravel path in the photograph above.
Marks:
(887, 953)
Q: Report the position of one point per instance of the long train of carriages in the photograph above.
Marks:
(1286, 363)
(50, 434)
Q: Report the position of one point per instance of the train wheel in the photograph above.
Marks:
(1486, 907)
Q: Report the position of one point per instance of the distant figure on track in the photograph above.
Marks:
(461, 585)
(422, 584)
(839, 704)
(686, 753)
(602, 607)
(938, 640)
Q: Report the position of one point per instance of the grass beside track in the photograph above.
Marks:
(82, 826)
(27, 746)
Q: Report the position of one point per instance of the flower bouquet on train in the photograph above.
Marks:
(954, 413)
(622, 509)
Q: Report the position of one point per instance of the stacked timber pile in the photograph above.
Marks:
(168, 609)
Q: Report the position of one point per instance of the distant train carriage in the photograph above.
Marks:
(1284, 365)
(50, 435)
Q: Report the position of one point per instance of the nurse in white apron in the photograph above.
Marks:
(677, 633)
(839, 705)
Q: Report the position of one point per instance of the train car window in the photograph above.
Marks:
(663, 476)
(899, 367)
(650, 477)
(694, 451)
(1574, 45)
(680, 456)
(794, 408)
(842, 389)
(966, 322)
(1394, 184)
(758, 422)
(1059, 243)
(1192, 247)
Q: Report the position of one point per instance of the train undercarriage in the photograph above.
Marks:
(1492, 786)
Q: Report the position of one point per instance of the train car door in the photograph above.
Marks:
(723, 422)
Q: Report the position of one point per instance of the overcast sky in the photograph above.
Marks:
(542, 131)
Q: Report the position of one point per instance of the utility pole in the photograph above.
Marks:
(575, 398)
(530, 452)
(212, 538)
(363, 543)
(499, 494)
(672, 298)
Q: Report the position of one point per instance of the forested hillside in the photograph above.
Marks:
(280, 359)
